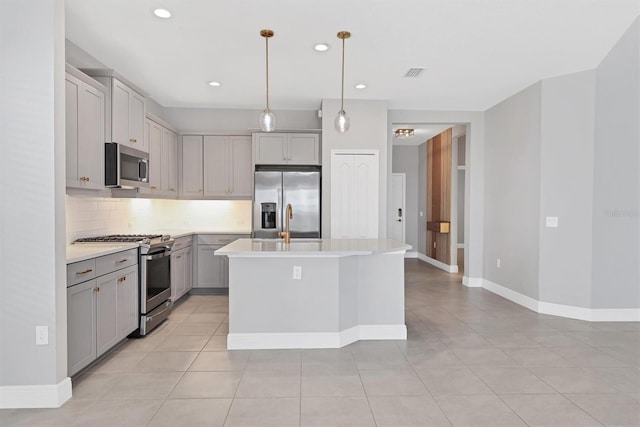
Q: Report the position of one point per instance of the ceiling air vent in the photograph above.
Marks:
(414, 72)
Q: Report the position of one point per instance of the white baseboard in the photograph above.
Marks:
(438, 264)
(472, 282)
(35, 396)
(412, 254)
(562, 310)
(383, 332)
(511, 295)
(315, 339)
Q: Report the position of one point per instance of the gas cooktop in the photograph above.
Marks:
(124, 238)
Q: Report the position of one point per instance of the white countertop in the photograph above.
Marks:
(83, 251)
(311, 247)
(176, 234)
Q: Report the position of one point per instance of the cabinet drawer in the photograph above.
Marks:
(183, 242)
(108, 263)
(219, 239)
(79, 272)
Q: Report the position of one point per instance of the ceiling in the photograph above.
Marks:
(475, 52)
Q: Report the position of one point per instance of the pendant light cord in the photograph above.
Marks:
(266, 39)
(342, 92)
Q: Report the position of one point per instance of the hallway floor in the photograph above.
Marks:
(471, 359)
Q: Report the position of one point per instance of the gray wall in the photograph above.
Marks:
(616, 255)
(32, 225)
(568, 147)
(207, 120)
(566, 188)
(512, 192)
(368, 131)
(406, 159)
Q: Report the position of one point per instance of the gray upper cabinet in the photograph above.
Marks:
(85, 133)
(286, 149)
(191, 182)
(126, 109)
(163, 161)
(216, 167)
(227, 167)
(127, 116)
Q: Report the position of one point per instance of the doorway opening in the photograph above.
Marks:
(433, 160)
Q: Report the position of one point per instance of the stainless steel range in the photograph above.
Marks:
(154, 274)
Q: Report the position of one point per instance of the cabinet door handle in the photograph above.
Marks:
(153, 187)
(88, 270)
(179, 256)
(97, 289)
(121, 261)
(133, 140)
(172, 189)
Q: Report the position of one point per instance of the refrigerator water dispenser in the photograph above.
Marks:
(268, 215)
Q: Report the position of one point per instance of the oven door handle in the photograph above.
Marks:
(165, 252)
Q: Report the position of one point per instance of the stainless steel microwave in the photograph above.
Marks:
(125, 167)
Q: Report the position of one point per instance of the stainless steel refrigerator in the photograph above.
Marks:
(274, 188)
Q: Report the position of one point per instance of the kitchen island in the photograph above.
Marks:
(320, 293)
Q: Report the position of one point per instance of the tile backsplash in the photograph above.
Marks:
(92, 216)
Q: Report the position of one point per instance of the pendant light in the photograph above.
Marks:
(342, 120)
(267, 118)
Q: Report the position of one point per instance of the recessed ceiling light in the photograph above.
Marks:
(321, 47)
(361, 86)
(162, 13)
(214, 84)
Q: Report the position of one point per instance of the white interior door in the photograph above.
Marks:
(398, 207)
(354, 194)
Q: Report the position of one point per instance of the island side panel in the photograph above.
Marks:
(264, 297)
(348, 305)
(381, 296)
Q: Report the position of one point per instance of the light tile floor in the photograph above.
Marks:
(472, 358)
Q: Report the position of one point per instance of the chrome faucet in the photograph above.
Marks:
(287, 234)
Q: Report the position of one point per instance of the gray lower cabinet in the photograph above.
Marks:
(181, 267)
(102, 310)
(212, 271)
(81, 325)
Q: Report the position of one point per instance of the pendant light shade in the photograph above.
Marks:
(342, 120)
(267, 118)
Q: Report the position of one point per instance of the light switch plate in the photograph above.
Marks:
(552, 221)
(42, 335)
(297, 272)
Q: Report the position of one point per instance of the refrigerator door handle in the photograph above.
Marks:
(279, 212)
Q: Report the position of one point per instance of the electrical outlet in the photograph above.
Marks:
(297, 272)
(42, 335)
(421, 213)
(498, 263)
(552, 221)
